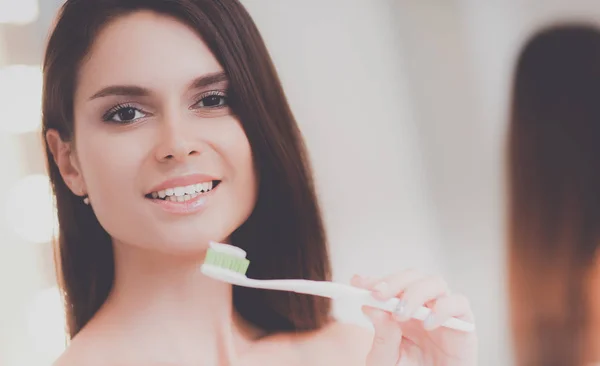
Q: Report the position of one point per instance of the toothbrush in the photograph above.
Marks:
(228, 263)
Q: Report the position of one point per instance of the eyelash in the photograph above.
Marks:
(212, 93)
(112, 113)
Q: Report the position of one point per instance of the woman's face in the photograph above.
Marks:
(165, 163)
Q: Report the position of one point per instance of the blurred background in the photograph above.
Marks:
(406, 97)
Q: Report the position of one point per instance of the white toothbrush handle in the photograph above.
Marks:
(337, 291)
(421, 314)
(328, 289)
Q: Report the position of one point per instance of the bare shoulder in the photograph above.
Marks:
(83, 351)
(72, 357)
(343, 344)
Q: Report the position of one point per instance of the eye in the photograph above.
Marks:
(124, 114)
(214, 99)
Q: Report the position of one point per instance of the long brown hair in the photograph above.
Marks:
(284, 236)
(554, 193)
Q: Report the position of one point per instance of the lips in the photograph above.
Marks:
(184, 188)
(183, 193)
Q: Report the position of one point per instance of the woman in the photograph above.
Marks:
(554, 157)
(166, 127)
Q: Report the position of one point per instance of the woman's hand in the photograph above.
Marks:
(402, 341)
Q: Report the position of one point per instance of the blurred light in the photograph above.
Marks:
(30, 209)
(19, 11)
(20, 97)
(46, 326)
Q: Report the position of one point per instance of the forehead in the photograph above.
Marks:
(147, 49)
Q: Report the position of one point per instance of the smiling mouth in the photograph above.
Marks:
(184, 193)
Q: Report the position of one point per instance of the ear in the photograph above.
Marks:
(66, 160)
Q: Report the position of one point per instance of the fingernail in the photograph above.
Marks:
(428, 323)
(380, 289)
(400, 310)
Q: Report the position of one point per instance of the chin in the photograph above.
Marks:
(184, 235)
(188, 242)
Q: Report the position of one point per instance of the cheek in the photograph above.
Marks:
(103, 167)
(245, 168)
(241, 170)
(109, 174)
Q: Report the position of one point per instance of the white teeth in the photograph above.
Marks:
(185, 193)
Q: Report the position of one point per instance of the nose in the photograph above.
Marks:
(175, 143)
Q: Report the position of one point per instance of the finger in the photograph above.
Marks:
(453, 306)
(381, 285)
(386, 340)
(418, 294)
(404, 360)
(395, 284)
(364, 282)
(410, 355)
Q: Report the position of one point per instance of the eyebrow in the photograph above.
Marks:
(138, 91)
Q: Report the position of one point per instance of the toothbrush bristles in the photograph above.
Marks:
(227, 261)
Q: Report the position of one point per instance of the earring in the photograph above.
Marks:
(86, 200)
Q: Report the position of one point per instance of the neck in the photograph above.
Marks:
(593, 336)
(165, 300)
